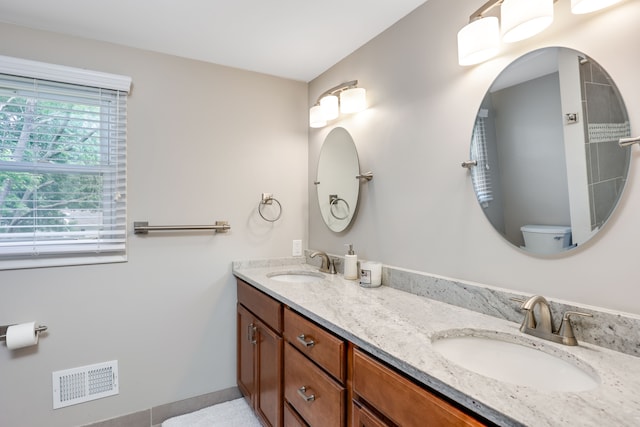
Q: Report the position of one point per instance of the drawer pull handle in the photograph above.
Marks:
(303, 340)
(302, 392)
(251, 333)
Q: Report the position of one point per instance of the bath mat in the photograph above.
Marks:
(234, 413)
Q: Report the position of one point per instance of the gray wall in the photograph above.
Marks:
(533, 171)
(204, 142)
(419, 212)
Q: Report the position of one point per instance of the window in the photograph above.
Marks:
(481, 174)
(62, 165)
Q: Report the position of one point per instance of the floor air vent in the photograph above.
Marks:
(78, 385)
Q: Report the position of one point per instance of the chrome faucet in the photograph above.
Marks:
(327, 263)
(542, 327)
(538, 327)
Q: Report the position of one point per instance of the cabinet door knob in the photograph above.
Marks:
(302, 392)
(303, 340)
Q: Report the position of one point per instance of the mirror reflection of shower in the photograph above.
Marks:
(546, 142)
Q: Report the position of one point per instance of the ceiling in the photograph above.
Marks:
(295, 39)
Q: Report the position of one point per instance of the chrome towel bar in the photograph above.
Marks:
(143, 227)
(469, 164)
(625, 142)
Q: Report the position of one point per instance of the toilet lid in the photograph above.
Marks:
(549, 229)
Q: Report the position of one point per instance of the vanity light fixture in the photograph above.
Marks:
(346, 98)
(520, 19)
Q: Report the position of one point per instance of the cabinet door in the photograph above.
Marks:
(269, 375)
(246, 344)
(362, 417)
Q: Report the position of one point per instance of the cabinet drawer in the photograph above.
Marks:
(260, 304)
(402, 401)
(291, 419)
(319, 345)
(315, 396)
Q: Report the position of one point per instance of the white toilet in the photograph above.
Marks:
(546, 239)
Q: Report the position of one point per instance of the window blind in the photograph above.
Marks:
(62, 173)
(480, 175)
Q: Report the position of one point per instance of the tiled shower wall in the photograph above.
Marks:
(607, 163)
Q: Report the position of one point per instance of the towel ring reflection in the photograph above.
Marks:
(268, 199)
(334, 199)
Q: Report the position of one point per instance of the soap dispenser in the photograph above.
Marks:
(350, 264)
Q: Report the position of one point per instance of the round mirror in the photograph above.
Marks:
(549, 169)
(336, 182)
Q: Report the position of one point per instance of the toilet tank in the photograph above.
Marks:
(546, 239)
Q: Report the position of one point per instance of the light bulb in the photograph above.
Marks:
(353, 100)
(522, 19)
(478, 41)
(329, 105)
(316, 118)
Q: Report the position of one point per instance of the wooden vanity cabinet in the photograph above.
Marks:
(259, 353)
(399, 401)
(295, 373)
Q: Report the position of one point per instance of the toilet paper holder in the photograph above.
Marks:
(3, 330)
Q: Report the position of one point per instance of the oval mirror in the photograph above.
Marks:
(549, 167)
(336, 182)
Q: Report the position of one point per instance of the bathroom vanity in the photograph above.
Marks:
(380, 359)
(323, 380)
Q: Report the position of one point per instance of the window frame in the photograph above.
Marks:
(75, 251)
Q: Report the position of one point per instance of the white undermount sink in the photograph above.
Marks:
(500, 357)
(301, 276)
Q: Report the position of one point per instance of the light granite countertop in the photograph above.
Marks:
(398, 327)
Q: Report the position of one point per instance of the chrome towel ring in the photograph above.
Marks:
(268, 199)
(334, 200)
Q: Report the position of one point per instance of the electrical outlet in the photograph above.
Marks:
(296, 248)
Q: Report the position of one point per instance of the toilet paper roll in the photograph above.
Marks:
(22, 335)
